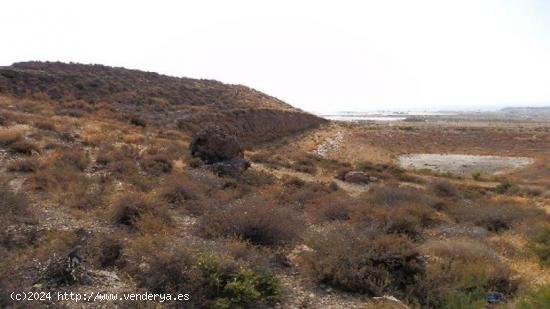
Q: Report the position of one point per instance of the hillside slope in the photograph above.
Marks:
(157, 99)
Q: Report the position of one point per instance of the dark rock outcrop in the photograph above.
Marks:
(221, 150)
(215, 144)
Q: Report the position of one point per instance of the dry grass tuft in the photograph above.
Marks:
(131, 207)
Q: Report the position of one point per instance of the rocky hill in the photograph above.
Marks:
(155, 99)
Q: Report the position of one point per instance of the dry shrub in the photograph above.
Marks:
(178, 189)
(159, 266)
(45, 124)
(25, 147)
(306, 163)
(109, 154)
(242, 250)
(294, 182)
(271, 161)
(123, 169)
(133, 138)
(89, 195)
(463, 271)
(304, 168)
(77, 158)
(358, 262)
(15, 212)
(493, 215)
(157, 164)
(334, 207)
(24, 165)
(58, 177)
(256, 178)
(408, 219)
(392, 195)
(444, 188)
(137, 120)
(256, 220)
(10, 135)
(299, 192)
(93, 138)
(214, 280)
(14, 207)
(6, 117)
(130, 207)
(107, 250)
(121, 164)
(381, 170)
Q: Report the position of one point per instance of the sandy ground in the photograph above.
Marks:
(463, 164)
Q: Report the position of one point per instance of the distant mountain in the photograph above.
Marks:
(527, 110)
(185, 103)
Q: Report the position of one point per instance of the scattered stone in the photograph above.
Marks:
(329, 145)
(233, 167)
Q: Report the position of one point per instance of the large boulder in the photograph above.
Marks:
(214, 144)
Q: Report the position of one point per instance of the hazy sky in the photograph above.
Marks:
(316, 55)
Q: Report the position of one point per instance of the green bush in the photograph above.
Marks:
(540, 245)
(231, 285)
(503, 187)
(536, 298)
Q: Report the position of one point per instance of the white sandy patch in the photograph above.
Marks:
(463, 164)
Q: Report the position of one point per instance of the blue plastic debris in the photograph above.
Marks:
(494, 297)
